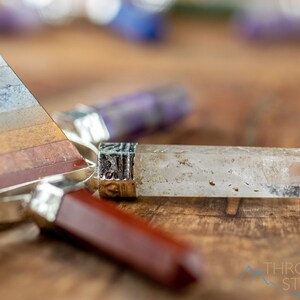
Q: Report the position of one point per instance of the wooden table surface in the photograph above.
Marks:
(244, 93)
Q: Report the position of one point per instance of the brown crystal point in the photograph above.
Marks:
(128, 239)
(32, 146)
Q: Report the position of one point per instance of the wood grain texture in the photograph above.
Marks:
(244, 94)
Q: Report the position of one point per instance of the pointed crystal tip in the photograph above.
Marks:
(32, 145)
(188, 270)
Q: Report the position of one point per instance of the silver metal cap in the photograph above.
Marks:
(85, 122)
(13, 209)
(116, 169)
(47, 197)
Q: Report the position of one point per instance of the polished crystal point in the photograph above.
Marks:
(74, 213)
(126, 116)
(199, 171)
(32, 146)
(217, 171)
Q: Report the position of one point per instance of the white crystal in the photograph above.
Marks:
(14, 94)
(2, 62)
(210, 171)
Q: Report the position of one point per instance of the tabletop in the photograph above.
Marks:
(244, 93)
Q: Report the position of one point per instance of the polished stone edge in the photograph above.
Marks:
(2, 62)
(15, 96)
(37, 157)
(23, 117)
(32, 175)
(30, 137)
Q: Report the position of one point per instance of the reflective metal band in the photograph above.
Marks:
(85, 122)
(13, 209)
(47, 197)
(116, 169)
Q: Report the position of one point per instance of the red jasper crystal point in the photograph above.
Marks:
(128, 239)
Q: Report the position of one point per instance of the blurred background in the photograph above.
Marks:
(237, 60)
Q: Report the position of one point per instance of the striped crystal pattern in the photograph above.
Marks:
(210, 171)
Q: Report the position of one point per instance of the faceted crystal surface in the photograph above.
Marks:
(210, 171)
(121, 236)
(32, 146)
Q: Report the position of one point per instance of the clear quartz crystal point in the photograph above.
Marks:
(210, 171)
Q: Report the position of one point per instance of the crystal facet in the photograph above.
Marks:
(205, 171)
(126, 116)
(32, 146)
(193, 171)
(74, 213)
